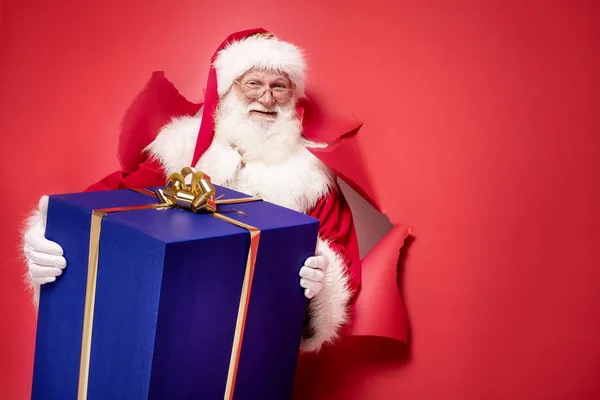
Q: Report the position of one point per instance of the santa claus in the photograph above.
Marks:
(248, 135)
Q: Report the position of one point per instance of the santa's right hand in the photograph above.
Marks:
(45, 259)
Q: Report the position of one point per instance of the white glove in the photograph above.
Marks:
(312, 275)
(45, 259)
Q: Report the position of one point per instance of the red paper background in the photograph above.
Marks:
(481, 133)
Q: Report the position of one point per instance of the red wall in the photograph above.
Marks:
(481, 134)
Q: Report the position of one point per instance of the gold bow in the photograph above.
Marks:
(198, 196)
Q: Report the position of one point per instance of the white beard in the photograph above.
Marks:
(252, 136)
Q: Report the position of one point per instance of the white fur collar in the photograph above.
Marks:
(297, 183)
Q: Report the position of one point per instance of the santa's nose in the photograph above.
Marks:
(267, 99)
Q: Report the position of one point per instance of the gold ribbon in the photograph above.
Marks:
(199, 196)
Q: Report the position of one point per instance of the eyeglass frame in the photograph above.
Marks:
(264, 90)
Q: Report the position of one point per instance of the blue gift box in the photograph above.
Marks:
(166, 303)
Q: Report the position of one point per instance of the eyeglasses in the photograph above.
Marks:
(254, 90)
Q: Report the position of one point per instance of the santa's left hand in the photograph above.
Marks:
(312, 275)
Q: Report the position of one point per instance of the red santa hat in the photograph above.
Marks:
(263, 51)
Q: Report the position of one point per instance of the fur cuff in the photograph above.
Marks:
(32, 220)
(328, 310)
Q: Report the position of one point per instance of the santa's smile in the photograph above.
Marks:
(264, 114)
